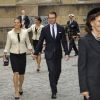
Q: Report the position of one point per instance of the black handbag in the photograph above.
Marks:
(5, 60)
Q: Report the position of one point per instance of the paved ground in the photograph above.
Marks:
(36, 85)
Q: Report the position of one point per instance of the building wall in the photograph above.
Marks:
(42, 7)
(7, 14)
(7, 2)
(26, 1)
(79, 1)
(79, 11)
(56, 1)
(31, 10)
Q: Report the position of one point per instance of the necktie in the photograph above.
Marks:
(53, 32)
(18, 37)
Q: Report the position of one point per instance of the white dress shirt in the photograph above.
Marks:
(32, 28)
(55, 29)
(23, 21)
(16, 47)
(71, 21)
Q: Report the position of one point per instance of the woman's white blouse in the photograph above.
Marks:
(12, 44)
(32, 28)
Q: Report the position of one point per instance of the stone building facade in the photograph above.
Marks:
(9, 9)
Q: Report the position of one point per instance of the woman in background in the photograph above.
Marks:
(16, 42)
(89, 57)
(36, 30)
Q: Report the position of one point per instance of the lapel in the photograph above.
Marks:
(48, 32)
(58, 32)
(24, 17)
(95, 44)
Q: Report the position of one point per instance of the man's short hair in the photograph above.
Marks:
(53, 12)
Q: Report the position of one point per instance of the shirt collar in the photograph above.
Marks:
(96, 37)
(53, 24)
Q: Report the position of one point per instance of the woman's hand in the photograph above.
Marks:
(66, 57)
(5, 53)
(34, 56)
(86, 94)
(30, 50)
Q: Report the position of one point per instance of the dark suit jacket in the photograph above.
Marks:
(53, 46)
(89, 65)
(26, 19)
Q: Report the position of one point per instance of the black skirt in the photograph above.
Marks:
(18, 62)
(35, 43)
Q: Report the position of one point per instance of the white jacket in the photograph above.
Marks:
(32, 28)
(12, 44)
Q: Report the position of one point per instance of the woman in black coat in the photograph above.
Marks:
(89, 57)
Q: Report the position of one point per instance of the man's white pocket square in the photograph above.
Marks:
(59, 32)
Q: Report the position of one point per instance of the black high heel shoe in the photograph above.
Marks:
(16, 98)
(21, 93)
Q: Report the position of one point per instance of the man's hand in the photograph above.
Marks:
(78, 33)
(66, 57)
(86, 94)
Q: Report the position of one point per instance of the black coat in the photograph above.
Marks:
(89, 66)
(26, 21)
(53, 46)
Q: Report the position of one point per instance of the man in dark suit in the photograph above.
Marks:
(24, 19)
(54, 35)
(72, 29)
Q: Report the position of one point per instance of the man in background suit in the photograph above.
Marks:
(54, 36)
(24, 19)
(72, 29)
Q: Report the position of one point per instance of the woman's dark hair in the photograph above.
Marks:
(38, 18)
(17, 18)
(90, 17)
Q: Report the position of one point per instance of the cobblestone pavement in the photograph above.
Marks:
(36, 85)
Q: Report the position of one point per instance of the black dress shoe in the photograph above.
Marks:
(21, 93)
(53, 96)
(16, 98)
(38, 70)
(76, 55)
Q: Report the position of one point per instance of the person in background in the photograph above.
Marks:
(72, 29)
(24, 19)
(89, 57)
(36, 30)
(16, 42)
(55, 38)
